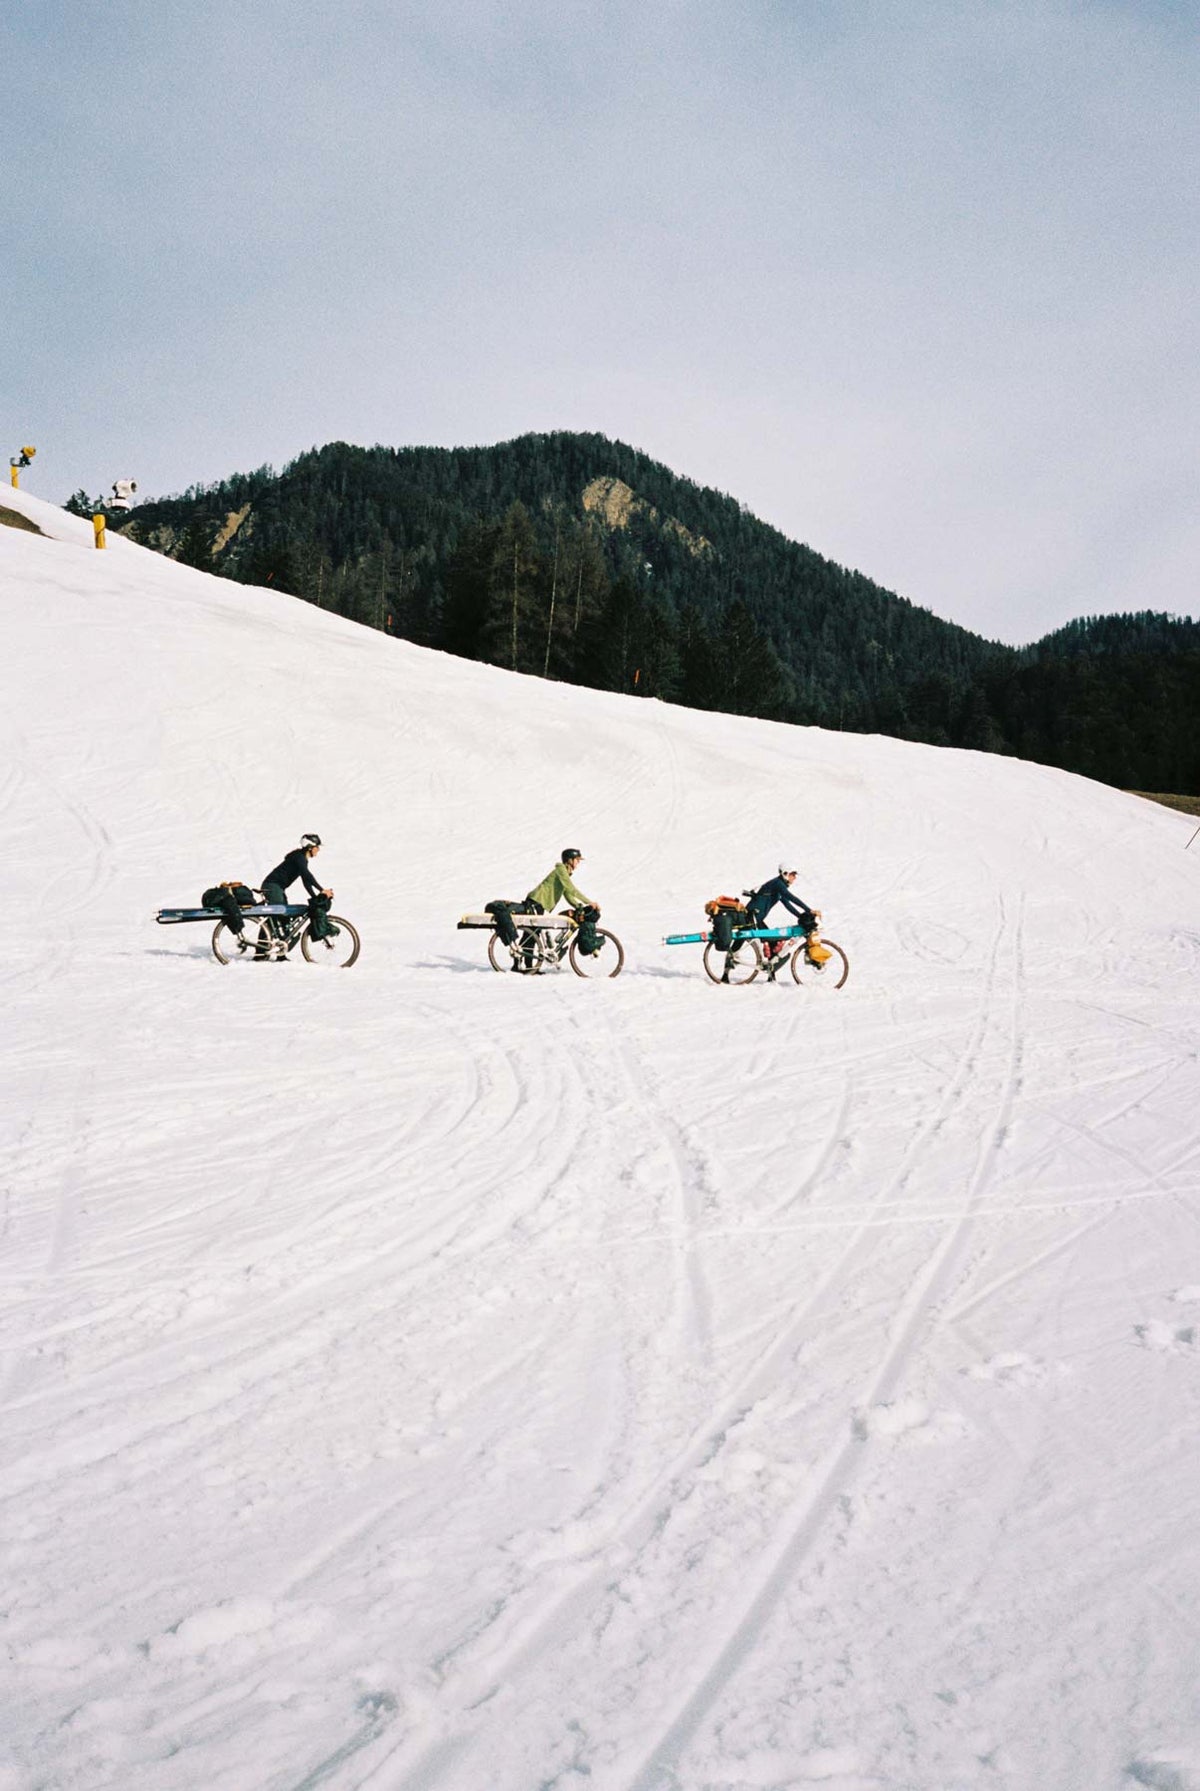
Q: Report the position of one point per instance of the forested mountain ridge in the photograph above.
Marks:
(1094, 636)
(575, 557)
(826, 644)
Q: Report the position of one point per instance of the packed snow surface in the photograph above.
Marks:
(427, 1380)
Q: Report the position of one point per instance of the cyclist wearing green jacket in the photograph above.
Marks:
(557, 885)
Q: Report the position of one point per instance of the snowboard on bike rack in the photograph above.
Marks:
(523, 921)
(174, 917)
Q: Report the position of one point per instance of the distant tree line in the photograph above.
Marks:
(491, 553)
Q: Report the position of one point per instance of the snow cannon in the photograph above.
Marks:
(17, 461)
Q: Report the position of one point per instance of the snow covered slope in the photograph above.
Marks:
(420, 1378)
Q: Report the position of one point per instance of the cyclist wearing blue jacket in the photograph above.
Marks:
(779, 889)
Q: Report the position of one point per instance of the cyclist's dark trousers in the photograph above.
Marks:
(502, 913)
(272, 894)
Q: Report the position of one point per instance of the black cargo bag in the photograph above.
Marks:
(722, 929)
(319, 923)
(502, 913)
(586, 939)
(229, 899)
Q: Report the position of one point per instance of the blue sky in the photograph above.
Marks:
(914, 282)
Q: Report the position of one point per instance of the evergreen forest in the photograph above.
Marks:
(573, 557)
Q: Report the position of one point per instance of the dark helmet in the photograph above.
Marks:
(310, 839)
(570, 852)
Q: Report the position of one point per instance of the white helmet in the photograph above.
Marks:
(788, 867)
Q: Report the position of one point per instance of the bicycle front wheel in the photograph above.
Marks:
(606, 960)
(741, 964)
(829, 975)
(250, 946)
(337, 953)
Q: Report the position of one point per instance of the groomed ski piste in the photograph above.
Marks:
(428, 1380)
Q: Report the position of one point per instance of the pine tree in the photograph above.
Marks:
(751, 676)
(195, 548)
(510, 635)
(467, 581)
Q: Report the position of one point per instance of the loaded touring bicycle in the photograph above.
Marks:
(325, 939)
(735, 950)
(545, 940)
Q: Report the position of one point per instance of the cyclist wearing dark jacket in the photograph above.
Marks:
(779, 889)
(277, 882)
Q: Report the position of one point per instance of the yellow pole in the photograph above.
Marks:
(13, 475)
(98, 528)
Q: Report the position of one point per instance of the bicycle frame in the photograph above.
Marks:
(547, 946)
(277, 937)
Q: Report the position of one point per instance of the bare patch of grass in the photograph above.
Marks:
(1187, 805)
(12, 519)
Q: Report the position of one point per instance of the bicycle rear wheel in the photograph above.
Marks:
(829, 975)
(606, 960)
(741, 964)
(331, 954)
(251, 946)
(501, 957)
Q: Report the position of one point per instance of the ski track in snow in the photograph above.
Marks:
(429, 1379)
